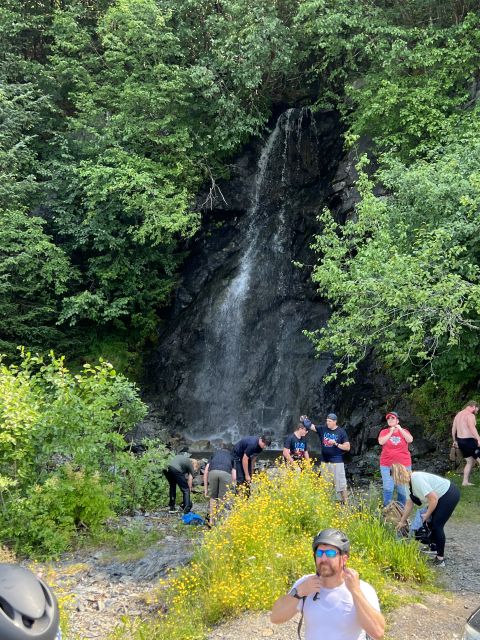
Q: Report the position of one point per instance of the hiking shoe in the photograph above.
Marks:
(438, 563)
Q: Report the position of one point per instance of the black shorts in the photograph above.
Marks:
(469, 447)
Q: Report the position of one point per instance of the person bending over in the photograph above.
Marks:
(439, 495)
(219, 474)
(180, 472)
(245, 453)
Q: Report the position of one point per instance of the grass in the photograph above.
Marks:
(126, 543)
(264, 544)
(468, 509)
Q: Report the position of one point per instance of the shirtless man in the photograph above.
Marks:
(465, 437)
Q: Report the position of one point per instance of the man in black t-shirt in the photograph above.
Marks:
(245, 453)
(295, 445)
(219, 474)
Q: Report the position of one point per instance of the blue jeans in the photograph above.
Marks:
(389, 487)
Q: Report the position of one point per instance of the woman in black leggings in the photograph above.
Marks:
(439, 495)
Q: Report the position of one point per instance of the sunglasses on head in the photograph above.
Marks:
(330, 553)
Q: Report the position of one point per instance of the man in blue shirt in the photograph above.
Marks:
(245, 453)
(334, 442)
(295, 444)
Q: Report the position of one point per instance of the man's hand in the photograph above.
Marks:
(308, 587)
(352, 579)
(400, 524)
(248, 479)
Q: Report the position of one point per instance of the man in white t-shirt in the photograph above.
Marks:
(337, 605)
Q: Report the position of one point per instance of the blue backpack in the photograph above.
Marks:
(192, 518)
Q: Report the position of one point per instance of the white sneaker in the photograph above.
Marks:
(439, 563)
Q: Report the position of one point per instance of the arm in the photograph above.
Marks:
(344, 446)
(234, 475)
(407, 436)
(190, 481)
(472, 426)
(254, 459)
(432, 505)
(283, 609)
(246, 470)
(205, 479)
(306, 455)
(454, 433)
(406, 512)
(286, 455)
(286, 606)
(383, 439)
(368, 617)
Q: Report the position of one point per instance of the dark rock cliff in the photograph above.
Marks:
(232, 359)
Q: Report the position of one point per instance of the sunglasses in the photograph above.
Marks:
(330, 553)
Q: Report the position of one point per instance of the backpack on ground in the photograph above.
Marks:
(192, 518)
(423, 534)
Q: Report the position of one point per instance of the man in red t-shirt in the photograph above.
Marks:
(394, 441)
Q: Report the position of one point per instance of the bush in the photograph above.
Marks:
(143, 484)
(45, 521)
(49, 415)
(64, 462)
(264, 544)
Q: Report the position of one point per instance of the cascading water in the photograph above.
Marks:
(226, 338)
(249, 367)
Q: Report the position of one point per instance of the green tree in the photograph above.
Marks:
(34, 274)
(403, 275)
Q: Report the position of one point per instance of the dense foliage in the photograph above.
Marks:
(65, 466)
(113, 113)
(402, 273)
(264, 545)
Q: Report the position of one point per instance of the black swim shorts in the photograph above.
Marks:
(469, 447)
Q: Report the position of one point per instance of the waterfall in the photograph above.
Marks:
(235, 361)
(265, 256)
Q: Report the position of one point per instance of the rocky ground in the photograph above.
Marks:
(98, 588)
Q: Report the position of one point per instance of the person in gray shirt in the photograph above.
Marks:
(180, 472)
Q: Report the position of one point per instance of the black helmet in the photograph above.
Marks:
(334, 538)
(28, 608)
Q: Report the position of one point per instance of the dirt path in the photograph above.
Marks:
(438, 617)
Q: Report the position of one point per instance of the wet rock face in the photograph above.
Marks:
(233, 359)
